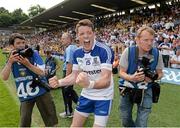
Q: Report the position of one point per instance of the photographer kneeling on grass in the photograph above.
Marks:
(28, 71)
(140, 66)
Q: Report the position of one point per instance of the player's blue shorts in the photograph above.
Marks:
(98, 107)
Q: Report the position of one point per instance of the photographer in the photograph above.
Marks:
(26, 65)
(52, 64)
(139, 66)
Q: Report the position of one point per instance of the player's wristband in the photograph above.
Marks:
(91, 84)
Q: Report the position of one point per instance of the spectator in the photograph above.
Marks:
(165, 48)
(115, 64)
(175, 60)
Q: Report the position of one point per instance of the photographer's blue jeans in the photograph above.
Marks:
(143, 110)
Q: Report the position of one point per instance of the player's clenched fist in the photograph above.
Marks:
(53, 82)
(82, 80)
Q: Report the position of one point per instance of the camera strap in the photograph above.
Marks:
(136, 55)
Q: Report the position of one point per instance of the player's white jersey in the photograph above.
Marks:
(100, 57)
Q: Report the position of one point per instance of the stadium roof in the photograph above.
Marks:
(69, 11)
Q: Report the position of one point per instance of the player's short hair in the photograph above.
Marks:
(15, 36)
(84, 22)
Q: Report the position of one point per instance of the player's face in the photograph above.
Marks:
(86, 37)
(145, 41)
(19, 43)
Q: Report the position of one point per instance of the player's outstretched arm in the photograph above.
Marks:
(54, 82)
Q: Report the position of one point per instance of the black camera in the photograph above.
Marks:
(28, 52)
(38, 82)
(145, 66)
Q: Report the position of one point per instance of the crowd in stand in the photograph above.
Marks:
(118, 31)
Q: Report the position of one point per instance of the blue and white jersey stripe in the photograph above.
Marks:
(100, 57)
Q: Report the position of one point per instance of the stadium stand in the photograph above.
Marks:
(115, 21)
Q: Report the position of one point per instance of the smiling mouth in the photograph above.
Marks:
(86, 41)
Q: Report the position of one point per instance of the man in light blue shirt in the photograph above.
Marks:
(68, 92)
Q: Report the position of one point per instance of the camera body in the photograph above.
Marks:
(28, 52)
(145, 67)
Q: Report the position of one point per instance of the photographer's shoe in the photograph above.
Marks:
(70, 115)
(64, 115)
